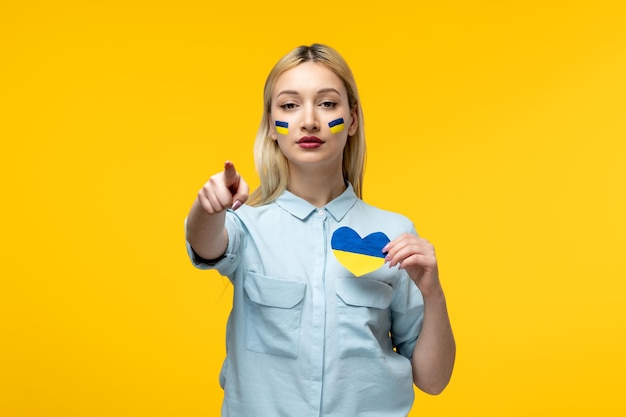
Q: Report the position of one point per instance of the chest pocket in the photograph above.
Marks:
(363, 316)
(273, 315)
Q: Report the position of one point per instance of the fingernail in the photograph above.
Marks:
(236, 205)
(387, 258)
(386, 248)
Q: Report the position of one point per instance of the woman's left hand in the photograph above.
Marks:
(417, 257)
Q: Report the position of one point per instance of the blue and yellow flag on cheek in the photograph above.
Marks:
(336, 125)
(359, 255)
(282, 127)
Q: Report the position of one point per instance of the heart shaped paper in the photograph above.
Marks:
(359, 255)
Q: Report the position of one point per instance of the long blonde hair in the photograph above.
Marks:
(270, 162)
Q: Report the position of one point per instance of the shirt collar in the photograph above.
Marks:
(301, 208)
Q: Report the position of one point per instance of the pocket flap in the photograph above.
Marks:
(364, 292)
(273, 292)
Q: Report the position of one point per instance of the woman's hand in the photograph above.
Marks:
(224, 190)
(417, 257)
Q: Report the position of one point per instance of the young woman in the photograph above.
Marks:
(338, 309)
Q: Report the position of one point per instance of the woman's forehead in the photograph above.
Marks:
(308, 77)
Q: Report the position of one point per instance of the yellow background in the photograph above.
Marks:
(497, 126)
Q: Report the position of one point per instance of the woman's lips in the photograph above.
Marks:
(310, 142)
(310, 139)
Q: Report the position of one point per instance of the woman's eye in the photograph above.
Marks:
(288, 106)
(328, 104)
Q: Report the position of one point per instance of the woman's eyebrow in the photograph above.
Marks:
(322, 91)
(287, 92)
(329, 90)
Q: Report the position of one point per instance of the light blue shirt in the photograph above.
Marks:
(305, 337)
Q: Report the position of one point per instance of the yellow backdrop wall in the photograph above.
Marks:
(498, 127)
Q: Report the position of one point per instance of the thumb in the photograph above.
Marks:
(241, 194)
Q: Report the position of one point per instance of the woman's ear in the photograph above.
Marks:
(354, 124)
(272, 128)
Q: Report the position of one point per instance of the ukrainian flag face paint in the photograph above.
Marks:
(336, 125)
(282, 127)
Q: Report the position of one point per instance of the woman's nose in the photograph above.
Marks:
(309, 120)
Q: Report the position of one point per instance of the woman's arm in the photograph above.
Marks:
(435, 350)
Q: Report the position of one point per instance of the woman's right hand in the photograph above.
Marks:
(224, 190)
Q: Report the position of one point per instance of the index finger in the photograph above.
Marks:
(230, 173)
(230, 176)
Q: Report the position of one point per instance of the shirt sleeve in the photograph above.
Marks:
(228, 262)
(407, 313)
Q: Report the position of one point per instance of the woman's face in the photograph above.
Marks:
(309, 104)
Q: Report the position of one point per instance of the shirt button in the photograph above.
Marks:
(321, 212)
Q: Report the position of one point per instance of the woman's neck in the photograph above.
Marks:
(318, 188)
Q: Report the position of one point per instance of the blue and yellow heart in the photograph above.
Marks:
(359, 255)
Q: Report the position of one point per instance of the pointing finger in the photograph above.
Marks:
(230, 177)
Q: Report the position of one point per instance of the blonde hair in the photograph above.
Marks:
(270, 162)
